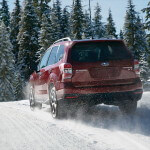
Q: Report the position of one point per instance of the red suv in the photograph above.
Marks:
(87, 72)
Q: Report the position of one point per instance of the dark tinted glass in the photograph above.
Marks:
(60, 53)
(101, 51)
(44, 59)
(52, 58)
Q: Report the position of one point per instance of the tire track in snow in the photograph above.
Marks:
(45, 135)
(32, 138)
(76, 140)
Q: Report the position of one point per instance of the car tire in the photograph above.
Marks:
(32, 101)
(128, 108)
(56, 109)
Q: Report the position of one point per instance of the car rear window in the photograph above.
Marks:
(99, 51)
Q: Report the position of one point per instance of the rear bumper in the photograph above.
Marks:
(106, 98)
(112, 95)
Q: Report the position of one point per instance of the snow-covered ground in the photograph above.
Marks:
(103, 128)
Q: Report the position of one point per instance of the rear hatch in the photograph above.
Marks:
(101, 63)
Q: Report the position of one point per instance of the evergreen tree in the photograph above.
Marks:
(41, 7)
(19, 84)
(44, 8)
(134, 33)
(36, 3)
(87, 28)
(28, 40)
(4, 13)
(14, 28)
(144, 67)
(7, 75)
(141, 47)
(66, 30)
(135, 37)
(77, 20)
(46, 34)
(130, 26)
(37, 7)
(110, 26)
(121, 35)
(140, 43)
(56, 18)
(71, 20)
(147, 24)
(147, 27)
(98, 25)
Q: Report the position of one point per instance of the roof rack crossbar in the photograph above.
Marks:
(61, 40)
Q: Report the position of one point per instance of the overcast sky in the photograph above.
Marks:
(118, 8)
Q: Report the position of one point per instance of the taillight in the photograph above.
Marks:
(66, 71)
(137, 67)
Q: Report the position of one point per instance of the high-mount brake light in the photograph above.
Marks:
(137, 67)
(66, 70)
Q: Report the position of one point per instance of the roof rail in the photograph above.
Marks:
(61, 40)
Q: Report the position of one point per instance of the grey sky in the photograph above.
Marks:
(118, 8)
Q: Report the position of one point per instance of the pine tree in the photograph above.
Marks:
(134, 33)
(14, 28)
(66, 30)
(19, 85)
(44, 8)
(71, 21)
(121, 35)
(110, 26)
(7, 75)
(147, 27)
(130, 26)
(98, 25)
(56, 18)
(140, 43)
(144, 67)
(4, 13)
(147, 24)
(141, 47)
(37, 8)
(28, 40)
(36, 3)
(135, 37)
(41, 7)
(77, 20)
(87, 27)
(46, 34)
(43, 11)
